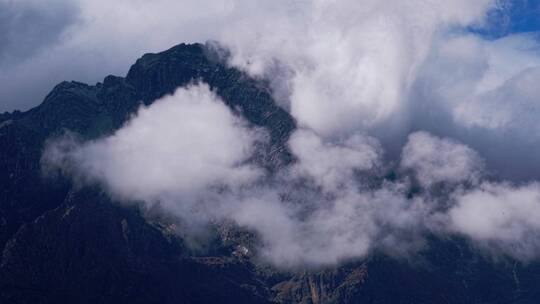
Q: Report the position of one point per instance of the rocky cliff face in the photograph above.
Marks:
(62, 243)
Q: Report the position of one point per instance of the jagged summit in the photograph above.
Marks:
(107, 105)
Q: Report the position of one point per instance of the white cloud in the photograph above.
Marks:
(502, 217)
(327, 228)
(488, 84)
(514, 105)
(332, 165)
(177, 148)
(440, 160)
(352, 61)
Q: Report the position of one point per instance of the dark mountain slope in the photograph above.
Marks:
(90, 250)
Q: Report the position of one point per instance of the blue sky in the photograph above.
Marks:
(518, 16)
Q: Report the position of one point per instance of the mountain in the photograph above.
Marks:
(63, 242)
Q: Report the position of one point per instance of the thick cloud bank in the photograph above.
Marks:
(440, 161)
(501, 217)
(365, 54)
(190, 155)
(180, 147)
(409, 124)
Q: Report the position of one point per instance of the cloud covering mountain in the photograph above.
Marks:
(377, 89)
